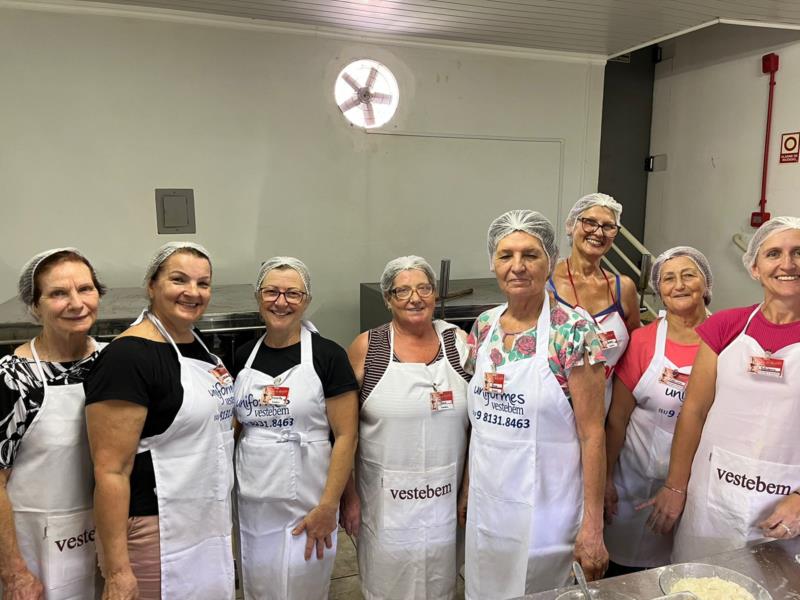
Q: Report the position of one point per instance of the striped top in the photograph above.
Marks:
(379, 355)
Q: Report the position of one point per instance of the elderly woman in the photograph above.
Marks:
(412, 442)
(159, 410)
(537, 451)
(737, 433)
(45, 470)
(581, 283)
(648, 394)
(295, 388)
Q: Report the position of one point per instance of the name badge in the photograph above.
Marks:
(771, 367)
(275, 396)
(222, 375)
(441, 401)
(493, 382)
(608, 339)
(673, 378)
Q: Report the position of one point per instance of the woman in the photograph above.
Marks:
(295, 388)
(537, 452)
(159, 410)
(744, 398)
(581, 283)
(648, 394)
(45, 470)
(412, 442)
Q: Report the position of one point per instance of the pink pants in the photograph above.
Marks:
(145, 555)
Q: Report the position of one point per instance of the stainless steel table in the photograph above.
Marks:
(775, 565)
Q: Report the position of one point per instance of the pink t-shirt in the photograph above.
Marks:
(640, 352)
(719, 330)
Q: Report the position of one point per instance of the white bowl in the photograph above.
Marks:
(673, 573)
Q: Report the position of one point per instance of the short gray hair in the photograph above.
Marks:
(285, 262)
(527, 221)
(405, 263)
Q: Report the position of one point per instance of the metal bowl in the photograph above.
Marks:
(595, 594)
(673, 573)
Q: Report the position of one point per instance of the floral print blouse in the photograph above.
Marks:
(572, 338)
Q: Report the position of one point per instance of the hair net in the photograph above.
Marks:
(27, 276)
(697, 257)
(167, 250)
(775, 225)
(405, 263)
(587, 202)
(285, 262)
(526, 221)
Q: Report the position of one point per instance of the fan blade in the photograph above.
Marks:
(351, 82)
(350, 103)
(373, 75)
(382, 98)
(369, 115)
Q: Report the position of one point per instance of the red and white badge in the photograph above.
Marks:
(608, 339)
(763, 365)
(493, 382)
(222, 375)
(275, 395)
(674, 378)
(441, 400)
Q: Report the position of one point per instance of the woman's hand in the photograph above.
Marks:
(318, 524)
(22, 585)
(667, 507)
(610, 500)
(784, 522)
(591, 553)
(350, 511)
(121, 586)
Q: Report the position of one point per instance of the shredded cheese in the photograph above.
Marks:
(711, 588)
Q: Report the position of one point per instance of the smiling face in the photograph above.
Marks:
(69, 299)
(415, 310)
(594, 244)
(181, 290)
(682, 286)
(279, 315)
(777, 265)
(521, 265)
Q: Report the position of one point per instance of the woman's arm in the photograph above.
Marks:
(630, 303)
(18, 582)
(622, 405)
(114, 428)
(586, 384)
(321, 521)
(668, 503)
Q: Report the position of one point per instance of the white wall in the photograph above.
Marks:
(709, 117)
(99, 110)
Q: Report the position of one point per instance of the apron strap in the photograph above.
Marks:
(306, 353)
(252, 357)
(39, 367)
(661, 338)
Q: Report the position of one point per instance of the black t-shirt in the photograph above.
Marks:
(330, 363)
(146, 373)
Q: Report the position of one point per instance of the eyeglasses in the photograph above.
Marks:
(291, 296)
(404, 293)
(590, 226)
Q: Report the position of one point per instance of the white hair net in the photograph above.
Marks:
(587, 202)
(775, 225)
(27, 276)
(285, 262)
(168, 250)
(405, 263)
(526, 221)
(697, 257)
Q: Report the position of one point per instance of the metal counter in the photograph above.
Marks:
(775, 565)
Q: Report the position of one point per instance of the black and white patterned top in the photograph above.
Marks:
(21, 396)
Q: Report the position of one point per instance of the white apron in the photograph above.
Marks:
(526, 483)
(748, 459)
(193, 466)
(644, 461)
(409, 466)
(282, 460)
(50, 489)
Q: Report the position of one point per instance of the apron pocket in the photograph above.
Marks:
(419, 500)
(265, 470)
(505, 470)
(70, 549)
(307, 579)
